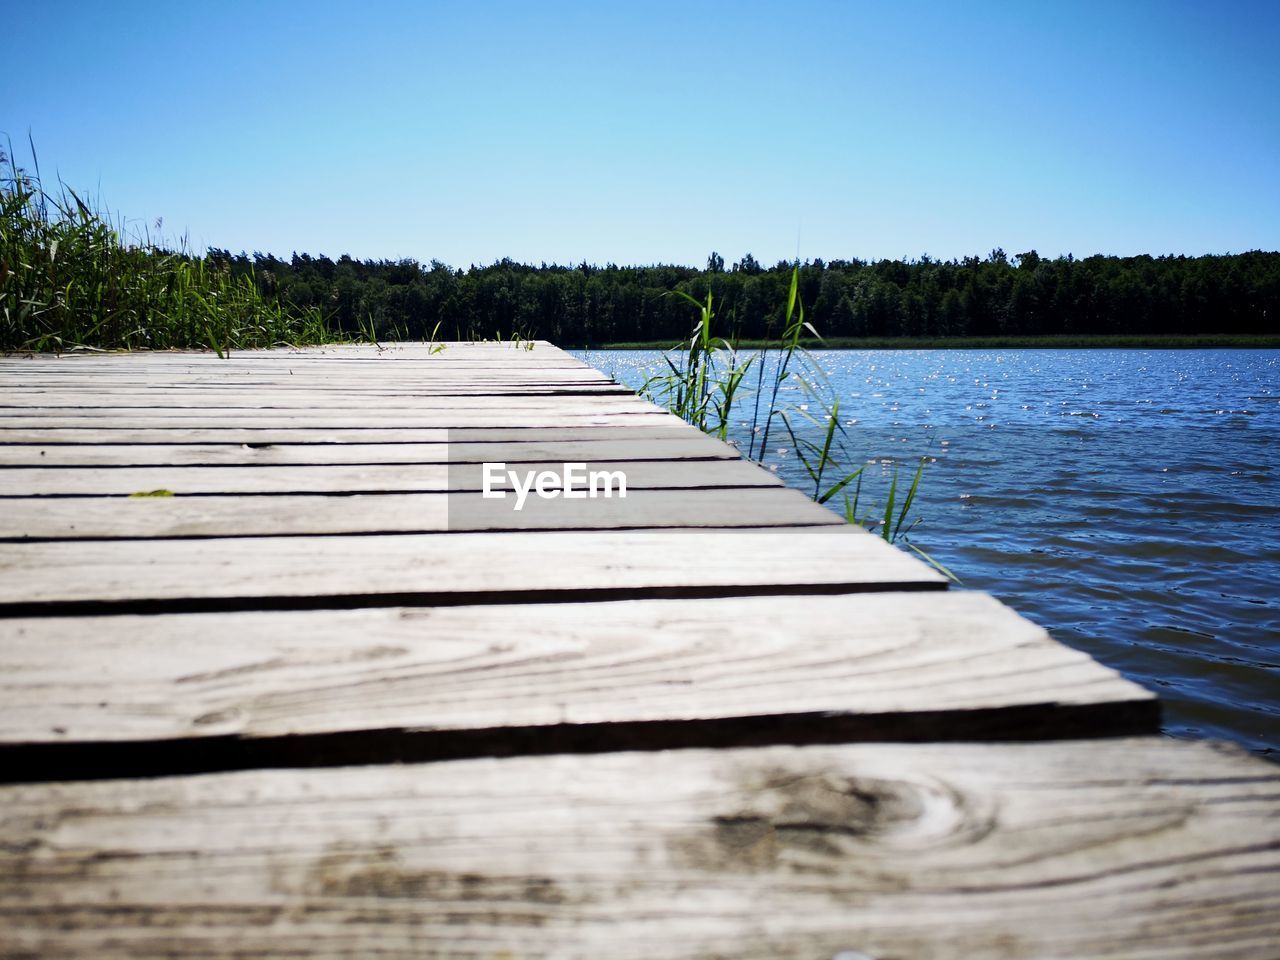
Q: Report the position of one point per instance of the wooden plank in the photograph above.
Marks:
(296, 373)
(335, 571)
(647, 427)
(382, 350)
(1116, 848)
(447, 362)
(275, 395)
(669, 445)
(339, 478)
(560, 445)
(625, 674)
(467, 412)
(388, 349)
(544, 426)
(313, 367)
(334, 410)
(504, 415)
(526, 351)
(301, 380)
(392, 348)
(450, 357)
(125, 518)
(512, 412)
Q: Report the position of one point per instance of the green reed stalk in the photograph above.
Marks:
(70, 278)
(702, 390)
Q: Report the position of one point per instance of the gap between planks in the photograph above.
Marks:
(341, 479)
(333, 572)
(666, 446)
(77, 518)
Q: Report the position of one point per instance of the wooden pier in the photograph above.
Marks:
(276, 679)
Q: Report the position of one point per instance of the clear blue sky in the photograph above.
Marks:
(657, 132)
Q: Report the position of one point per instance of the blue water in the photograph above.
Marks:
(1127, 500)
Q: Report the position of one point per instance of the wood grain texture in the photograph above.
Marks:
(387, 409)
(262, 573)
(1117, 848)
(93, 393)
(295, 377)
(301, 376)
(24, 429)
(675, 662)
(542, 352)
(180, 384)
(365, 478)
(624, 444)
(269, 634)
(129, 518)
(452, 355)
(576, 427)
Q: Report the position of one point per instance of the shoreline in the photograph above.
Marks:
(1060, 342)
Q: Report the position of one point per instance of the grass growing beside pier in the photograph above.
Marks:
(709, 380)
(70, 278)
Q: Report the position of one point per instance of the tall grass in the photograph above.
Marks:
(704, 384)
(70, 278)
(701, 383)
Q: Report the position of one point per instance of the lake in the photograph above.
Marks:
(1127, 500)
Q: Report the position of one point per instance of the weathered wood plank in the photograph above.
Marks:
(452, 355)
(277, 395)
(666, 445)
(444, 364)
(339, 478)
(511, 415)
(300, 375)
(295, 376)
(678, 671)
(289, 371)
(560, 445)
(1115, 848)
(649, 427)
(523, 351)
(311, 371)
(16, 429)
(446, 412)
(336, 408)
(546, 427)
(335, 571)
(383, 350)
(126, 518)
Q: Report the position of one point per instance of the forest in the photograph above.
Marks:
(996, 295)
(70, 278)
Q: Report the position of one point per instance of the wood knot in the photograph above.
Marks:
(829, 823)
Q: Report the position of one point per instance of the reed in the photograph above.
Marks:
(704, 384)
(704, 378)
(70, 278)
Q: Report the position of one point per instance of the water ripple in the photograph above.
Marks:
(1125, 499)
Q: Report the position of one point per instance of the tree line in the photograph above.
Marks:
(996, 295)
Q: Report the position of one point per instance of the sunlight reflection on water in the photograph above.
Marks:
(1128, 500)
